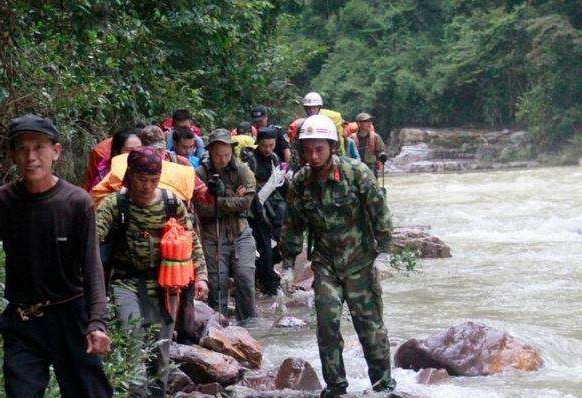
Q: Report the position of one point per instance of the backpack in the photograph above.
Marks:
(119, 229)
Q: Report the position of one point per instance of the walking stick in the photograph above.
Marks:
(215, 177)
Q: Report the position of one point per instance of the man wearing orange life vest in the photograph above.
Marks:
(369, 143)
(133, 220)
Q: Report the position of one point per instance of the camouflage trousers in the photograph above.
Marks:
(363, 294)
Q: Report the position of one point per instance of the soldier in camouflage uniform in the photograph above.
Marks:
(339, 202)
(136, 257)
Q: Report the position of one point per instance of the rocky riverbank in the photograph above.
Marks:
(423, 150)
(223, 360)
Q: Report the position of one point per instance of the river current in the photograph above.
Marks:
(516, 239)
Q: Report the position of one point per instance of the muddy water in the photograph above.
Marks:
(516, 238)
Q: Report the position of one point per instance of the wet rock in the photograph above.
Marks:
(413, 153)
(297, 374)
(301, 299)
(469, 349)
(179, 381)
(393, 394)
(259, 380)
(234, 341)
(210, 388)
(426, 150)
(415, 239)
(432, 376)
(194, 394)
(303, 271)
(205, 366)
(303, 285)
(194, 324)
(289, 322)
(383, 270)
(239, 391)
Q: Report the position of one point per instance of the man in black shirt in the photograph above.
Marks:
(268, 208)
(54, 278)
(260, 118)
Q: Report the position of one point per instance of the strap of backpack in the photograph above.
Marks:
(170, 204)
(123, 213)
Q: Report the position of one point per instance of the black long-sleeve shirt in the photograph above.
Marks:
(51, 248)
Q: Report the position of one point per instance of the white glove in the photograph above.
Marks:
(287, 280)
(276, 180)
(289, 175)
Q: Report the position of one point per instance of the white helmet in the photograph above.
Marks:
(312, 99)
(318, 127)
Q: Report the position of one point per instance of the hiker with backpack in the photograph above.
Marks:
(369, 143)
(226, 234)
(133, 219)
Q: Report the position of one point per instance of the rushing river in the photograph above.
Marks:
(516, 238)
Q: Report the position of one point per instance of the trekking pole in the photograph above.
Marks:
(383, 181)
(215, 177)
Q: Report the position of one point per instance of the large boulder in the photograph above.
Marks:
(297, 374)
(205, 366)
(235, 341)
(469, 349)
(417, 239)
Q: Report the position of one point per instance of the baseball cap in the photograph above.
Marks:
(32, 123)
(258, 113)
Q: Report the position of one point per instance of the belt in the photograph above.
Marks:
(25, 311)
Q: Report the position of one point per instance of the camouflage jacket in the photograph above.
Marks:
(346, 214)
(141, 248)
(233, 209)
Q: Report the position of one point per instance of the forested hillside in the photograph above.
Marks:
(448, 63)
(97, 65)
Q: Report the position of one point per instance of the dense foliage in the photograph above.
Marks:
(494, 63)
(97, 65)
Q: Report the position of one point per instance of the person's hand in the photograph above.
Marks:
(216, 187)
(287, 280)
(98, 343)
(201, 290)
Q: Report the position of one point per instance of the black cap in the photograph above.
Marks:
(267, 133)
(258, 113)
(244, 128)
(32, 123)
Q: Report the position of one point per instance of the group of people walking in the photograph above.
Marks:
(239, 202)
